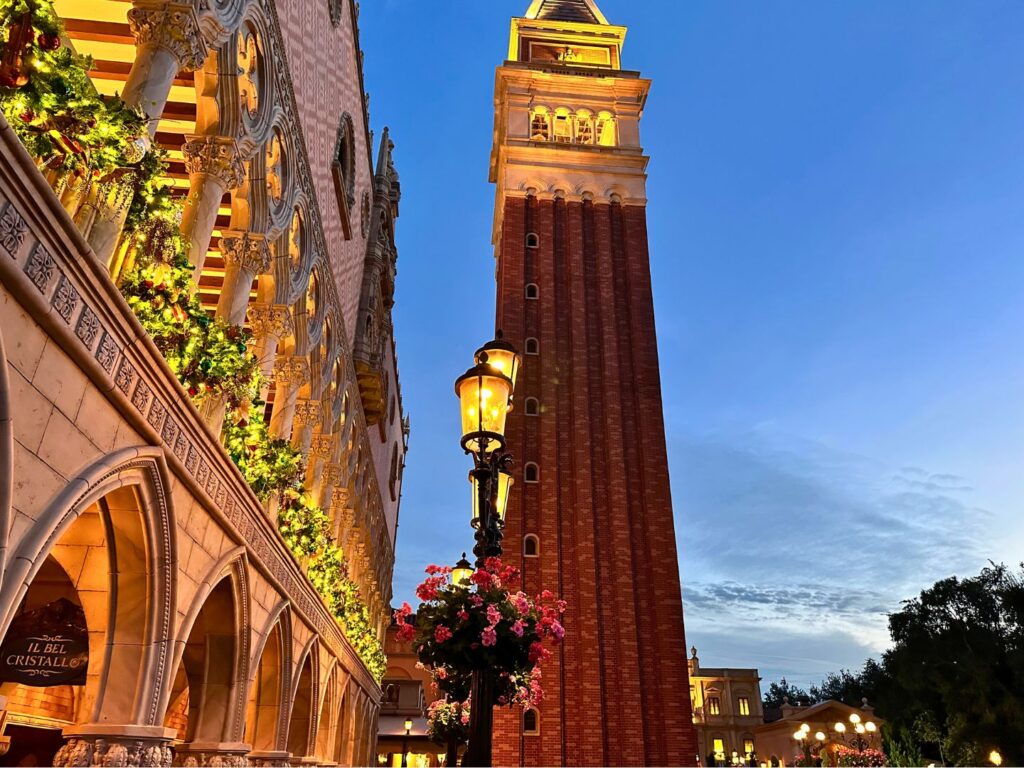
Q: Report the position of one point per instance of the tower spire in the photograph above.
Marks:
(582, 11)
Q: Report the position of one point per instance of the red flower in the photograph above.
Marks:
(442, 633)
(406, 633)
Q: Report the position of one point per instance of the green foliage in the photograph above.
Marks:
(778, 692)
(56, 111)
(209, 357)
(269, 465)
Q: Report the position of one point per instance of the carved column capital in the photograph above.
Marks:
(249, 250)
(307, 412)
(291, 369)
(269, 320)
(171, 26)
(216, 156)
(332, 475)
(322, 446)
(102, 751)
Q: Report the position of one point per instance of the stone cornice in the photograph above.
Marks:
(46, 263)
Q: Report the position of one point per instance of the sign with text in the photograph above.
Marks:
(46, 646)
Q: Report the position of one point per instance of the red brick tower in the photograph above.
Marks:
(591, 515)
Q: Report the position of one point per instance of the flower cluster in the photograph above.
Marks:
(448, 721)
(870, 758)
(489, 626)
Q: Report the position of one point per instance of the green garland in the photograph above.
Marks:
(269, 465)
(49, 101)
(209, 357)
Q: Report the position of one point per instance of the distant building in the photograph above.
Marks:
(829, 726)
(727, 711)
(407, 693)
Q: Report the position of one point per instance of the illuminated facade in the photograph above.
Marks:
(202, 642)
(591, 519)
(727, 711)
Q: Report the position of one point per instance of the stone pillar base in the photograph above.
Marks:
(212, 755)
(270, 759)
(116, 745)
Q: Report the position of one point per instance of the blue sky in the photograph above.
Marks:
(837, 229)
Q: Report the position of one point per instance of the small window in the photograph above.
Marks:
(532, 347)
(714, 706)
(748, 747)
(562, 128)
(532, 406)
(719, 749)
(532, 291)
(539, 127)
(531, 546)
(531, 473)
(533, 240)
(743, 704)
(531, 723)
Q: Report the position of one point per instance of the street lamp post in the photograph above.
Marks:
(485, 398)
(405, 742)
(858, 739)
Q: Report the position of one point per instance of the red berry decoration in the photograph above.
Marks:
(27, 116)
(49, 41)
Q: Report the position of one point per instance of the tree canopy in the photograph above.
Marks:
(951, 687)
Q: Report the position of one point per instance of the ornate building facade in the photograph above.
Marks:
(727, 711)
(204, 641)
(592, 516)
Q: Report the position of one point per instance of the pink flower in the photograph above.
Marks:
(517, 628)
(493, 615)
(442, 633)
(442, 673)
(489, 637)
(406, 632)
(557, 630)
(463, 615)
(476, 600)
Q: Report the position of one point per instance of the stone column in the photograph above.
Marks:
(120, 745)
(269, 323)
(167, 40)
(246, 255)
(329, 479)
(320, 450)
(214, 167)
(307, 416)
(290, 373)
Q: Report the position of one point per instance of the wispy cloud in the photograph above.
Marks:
(782, 537)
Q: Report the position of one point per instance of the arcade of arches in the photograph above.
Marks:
(151, 612)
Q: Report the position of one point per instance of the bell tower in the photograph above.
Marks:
(592, 516)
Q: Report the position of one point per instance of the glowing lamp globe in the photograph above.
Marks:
(502, 356)
(820, 735)
(483, 393)
(505, 482)
(860, 728)
(462, 573)
(840, 727)
(799, 735)
(870, 726)
(805, 728)
(854, 718)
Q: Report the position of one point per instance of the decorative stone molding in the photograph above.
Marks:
(249, 250)
(332, 476)
(322, 446)
(270, 320)
(85, 751)
(212, 756)
(291, 369)
(307, 412)
(216, 156)
(171, 26)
